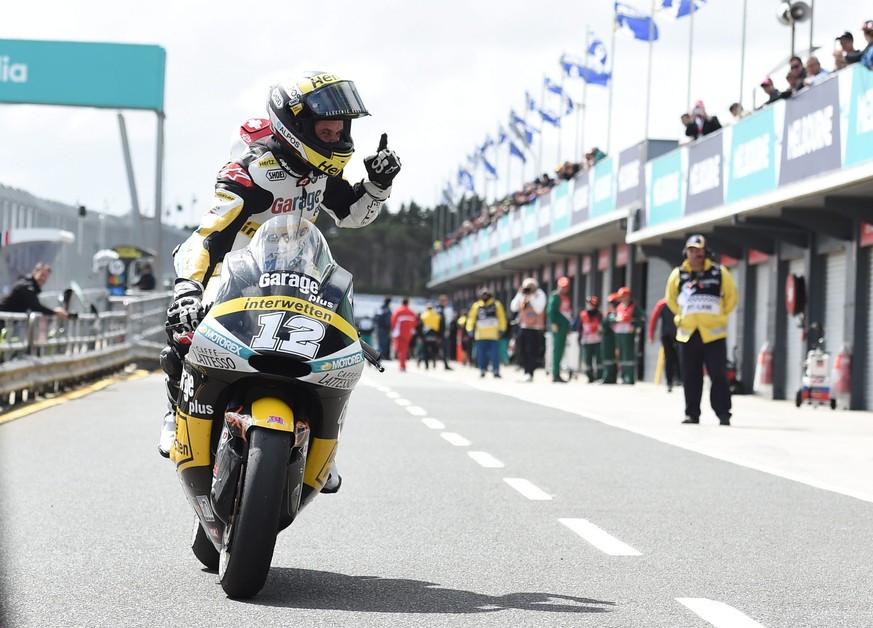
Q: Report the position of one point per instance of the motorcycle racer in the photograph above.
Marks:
(292, 161)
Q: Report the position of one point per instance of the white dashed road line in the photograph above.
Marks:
(526, 488)
(485, 459)
(416, 411)
(433, 424)
(403, 402)
(718, 614)
(392, 395)
(598, 538)
(455, 439)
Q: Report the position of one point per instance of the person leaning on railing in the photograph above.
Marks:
(24, 295)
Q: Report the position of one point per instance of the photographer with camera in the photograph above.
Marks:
(530, 303)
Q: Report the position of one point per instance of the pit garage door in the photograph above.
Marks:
(835, 301)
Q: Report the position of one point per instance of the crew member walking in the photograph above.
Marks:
(629, 319)
(559, 312)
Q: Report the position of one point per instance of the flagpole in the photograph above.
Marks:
(649, 78)
(581, 149)
(560, 109)
(743, 54)
(690, 54)
(611, 80)
(542, 129)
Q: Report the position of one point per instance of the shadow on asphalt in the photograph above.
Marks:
(323, 590)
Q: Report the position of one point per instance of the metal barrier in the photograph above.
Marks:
(41, 354)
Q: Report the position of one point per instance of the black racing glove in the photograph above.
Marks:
(383, 166)
(186, 310)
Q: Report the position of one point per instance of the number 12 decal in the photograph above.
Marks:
(303, 334)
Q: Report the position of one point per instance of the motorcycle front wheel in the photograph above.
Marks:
(251, 537)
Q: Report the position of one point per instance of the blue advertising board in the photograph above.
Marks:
(665, 188)
(117, 76)
(859, 130)
(752, 160)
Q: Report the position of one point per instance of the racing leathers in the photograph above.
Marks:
(258, 183)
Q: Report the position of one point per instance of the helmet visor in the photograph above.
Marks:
(337, 100)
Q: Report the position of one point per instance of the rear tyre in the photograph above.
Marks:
(249, 541)
(798, 399)
(203, 548)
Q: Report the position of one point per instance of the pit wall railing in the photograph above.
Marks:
(41, 354)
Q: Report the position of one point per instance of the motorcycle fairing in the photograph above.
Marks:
(192, 445)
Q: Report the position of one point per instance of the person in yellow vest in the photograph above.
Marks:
(629, 320)
(702, 294)
(559, 312)
(589, 324)
(430, 331)
(486, 322)
(530, 304)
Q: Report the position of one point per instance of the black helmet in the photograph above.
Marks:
(295, 105)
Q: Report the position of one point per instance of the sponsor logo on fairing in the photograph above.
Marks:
(340, 363)
(202, 409)
(305, 202)
(275, 419)
(305, 284)
(225, 343)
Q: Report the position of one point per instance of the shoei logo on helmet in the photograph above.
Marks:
(277, 98)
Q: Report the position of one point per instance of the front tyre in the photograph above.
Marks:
(251, 535)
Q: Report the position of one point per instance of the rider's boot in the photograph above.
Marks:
(334, 481)
(171, 363)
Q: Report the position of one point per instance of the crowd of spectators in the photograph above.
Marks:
(543, 184)
(799, 76)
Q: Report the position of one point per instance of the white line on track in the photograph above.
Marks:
(455, 439)
(598, 538)
(433, 424)
(392, 395)
(485, 459)
(403, 402)
(526, 488)
(416, 411)
(718, 614)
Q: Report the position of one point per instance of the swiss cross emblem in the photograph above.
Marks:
(254, 123)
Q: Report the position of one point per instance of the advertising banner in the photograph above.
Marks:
(581, 198)
(705, 185)
(629, 184)
(117, 76)
(752, 160)
(504, 234)
(665, 185)
(604, 196)
(811, 139)
(561, 206)
(528, 223)
(859, 130)
(544, 215)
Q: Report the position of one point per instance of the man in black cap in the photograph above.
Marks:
(846, 53)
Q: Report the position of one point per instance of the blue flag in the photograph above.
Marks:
(553, 87)
(681, 8)
(490, 169)
(501, 135)
(465, 180)
(549, 117)
(569, 106)
(522, 129)
(529, 103)
(591, 69)
(640, 25)
(515, 150)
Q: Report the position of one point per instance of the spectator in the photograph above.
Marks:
(629, 319)
(866, 58)
(846, 53)
(589, 324)
(383, 328)
(24, 295)
(701, 124)
(814, 72)
(567, 170)
(403, 325)
(773, 94)
(794, 85)
(486, 323)
(795, 67)
(593, 156)
(430, 328)
(146, 280)
(559, 312)
(662, 314)
(444, 309)
(737, 112)
(530, 304)
(702, 295)
(607, 347)
(685, 119)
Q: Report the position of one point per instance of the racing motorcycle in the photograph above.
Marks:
(263, 394)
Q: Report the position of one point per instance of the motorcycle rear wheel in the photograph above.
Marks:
(248, 548)
(203, 548)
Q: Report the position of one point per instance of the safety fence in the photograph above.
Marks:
(42, 354)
